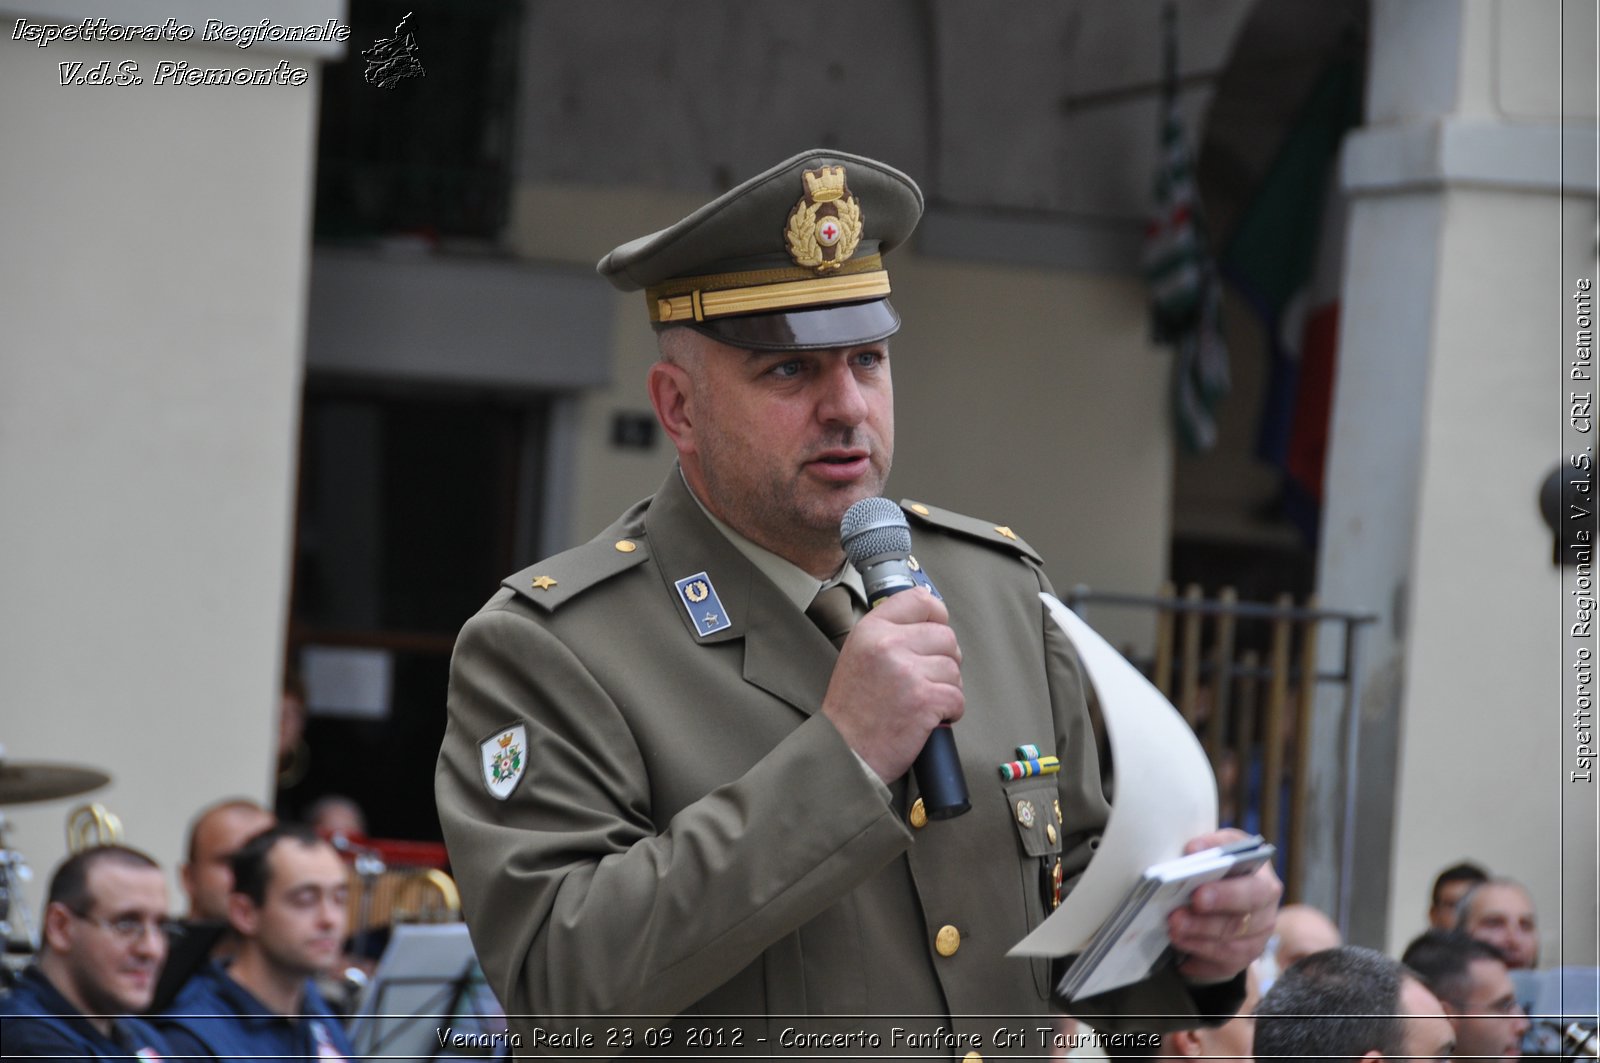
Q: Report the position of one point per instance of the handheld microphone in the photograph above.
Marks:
(877, 541)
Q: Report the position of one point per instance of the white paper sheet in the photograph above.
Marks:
(1165, 794)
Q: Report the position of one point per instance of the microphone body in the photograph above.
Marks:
(877, 540)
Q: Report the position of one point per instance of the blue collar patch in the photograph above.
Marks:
(700, 599)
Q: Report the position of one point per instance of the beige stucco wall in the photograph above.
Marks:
(1483, 741)
(152, 281)
(1473, 216)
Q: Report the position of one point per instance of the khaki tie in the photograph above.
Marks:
(834, 613)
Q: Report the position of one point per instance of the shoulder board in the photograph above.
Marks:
(970, 527)
(554, 580)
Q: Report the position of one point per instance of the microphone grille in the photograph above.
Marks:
(874, 527)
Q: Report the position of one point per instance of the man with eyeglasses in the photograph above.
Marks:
(1471, 981)
(103, 945)
(288, 909)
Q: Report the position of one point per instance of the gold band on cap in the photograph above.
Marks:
(699, 304)
(749, 278)
(755, 291)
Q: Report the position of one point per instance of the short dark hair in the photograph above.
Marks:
(70, 883)
(1338, 1004)
(1443, 960)
(252, 872)
(1466, 871)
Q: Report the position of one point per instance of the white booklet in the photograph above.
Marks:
(1166, 796)
(1133, 943)
(1166, 793)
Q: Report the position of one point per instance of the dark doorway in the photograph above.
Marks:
(408, 518)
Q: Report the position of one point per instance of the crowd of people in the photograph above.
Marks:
(236, 978)
(116, 977)
(1448, 995)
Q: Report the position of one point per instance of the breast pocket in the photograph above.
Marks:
(1035, 808)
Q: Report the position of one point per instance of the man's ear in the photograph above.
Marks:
(672, 396)
(243, 915)
(1182, 1043)
(57, 919)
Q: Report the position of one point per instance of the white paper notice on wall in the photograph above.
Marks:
(1166, 792)
(342, 681)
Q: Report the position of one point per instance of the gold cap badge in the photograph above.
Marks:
(825, 225)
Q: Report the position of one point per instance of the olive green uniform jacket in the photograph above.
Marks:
(689, 836)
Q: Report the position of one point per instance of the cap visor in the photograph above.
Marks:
(849, 325)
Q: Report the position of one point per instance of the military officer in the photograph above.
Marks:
(667, 793)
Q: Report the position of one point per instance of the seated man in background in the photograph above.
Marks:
(1500, 912)
(288, 910)
(207, 877)
(218, 832)
(1448, 889)
(1350, 1004)
(104, 940)
(1471, 981)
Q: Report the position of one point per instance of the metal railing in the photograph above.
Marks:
(1251, 701)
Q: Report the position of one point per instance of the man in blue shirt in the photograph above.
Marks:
(103, 944)
(288, 909)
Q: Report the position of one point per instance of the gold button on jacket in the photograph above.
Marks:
(919, 814)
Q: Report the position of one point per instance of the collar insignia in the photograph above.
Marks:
(700, 599)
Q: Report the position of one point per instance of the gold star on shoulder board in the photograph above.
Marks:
(543, 583)
(1007, 532)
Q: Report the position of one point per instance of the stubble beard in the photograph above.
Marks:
(783, 514)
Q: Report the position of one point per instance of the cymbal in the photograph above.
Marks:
(21, 782)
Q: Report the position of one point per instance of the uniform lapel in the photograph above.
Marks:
(784, 653)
